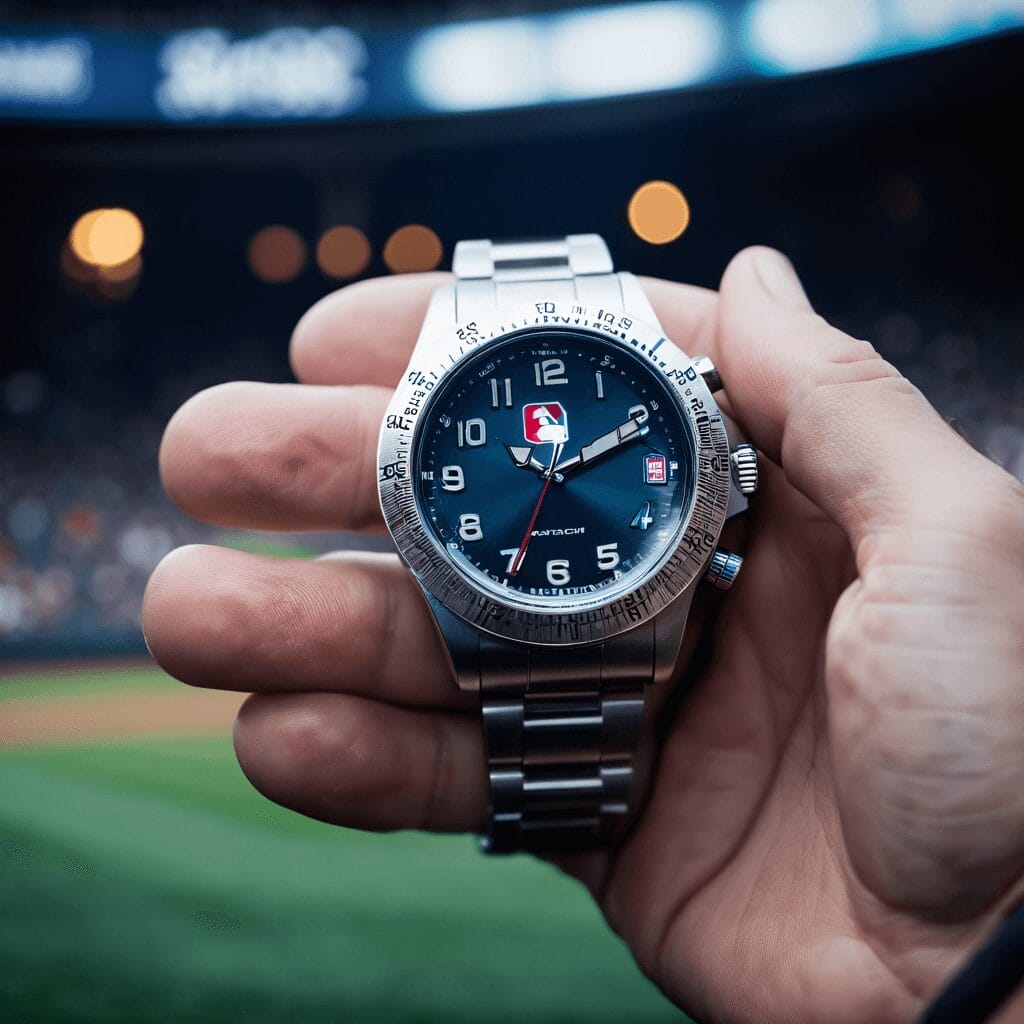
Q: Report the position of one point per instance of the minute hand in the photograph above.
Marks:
(604, 445)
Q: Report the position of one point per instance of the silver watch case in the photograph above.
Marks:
(590, 619)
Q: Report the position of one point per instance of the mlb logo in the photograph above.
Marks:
(545, 423)
(655, 470)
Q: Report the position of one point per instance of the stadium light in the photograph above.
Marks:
(944, 21)
(809, 35)
(479, 65)
(611, 51)
(45, 71)
(302, 72)
(652, 46)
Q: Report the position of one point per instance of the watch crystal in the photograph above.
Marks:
(552, 465)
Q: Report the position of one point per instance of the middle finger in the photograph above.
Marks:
(277, 456)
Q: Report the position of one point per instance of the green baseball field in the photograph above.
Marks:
(143, 880)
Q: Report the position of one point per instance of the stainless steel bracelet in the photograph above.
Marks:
(561, 730)
(504, 275)
(561, 725)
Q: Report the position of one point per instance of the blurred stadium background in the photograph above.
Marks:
(180, 180)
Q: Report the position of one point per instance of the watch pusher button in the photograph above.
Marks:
(723, 568)
(706, 368)
(744, 468)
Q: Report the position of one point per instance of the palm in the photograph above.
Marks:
(742, 835)
(741, 825)
(810, 850)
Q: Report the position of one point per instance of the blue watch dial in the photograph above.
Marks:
(554, 465)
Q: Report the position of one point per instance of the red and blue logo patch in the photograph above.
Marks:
(545, 423)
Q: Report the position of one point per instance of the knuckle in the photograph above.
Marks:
(323, 746)
(357, 609)
(437, 795)
(851, 380)
(855, 363)
(1000, 512)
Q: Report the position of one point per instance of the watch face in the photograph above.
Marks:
(554, 465)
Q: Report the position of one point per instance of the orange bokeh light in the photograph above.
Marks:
(107, 237)
(276, 254)
(343, 251)
(412, 248)
(658, 212)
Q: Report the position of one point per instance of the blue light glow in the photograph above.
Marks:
(289, 73)
(611, 51)
(782, 37)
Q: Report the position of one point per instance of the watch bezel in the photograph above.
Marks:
(600, 616)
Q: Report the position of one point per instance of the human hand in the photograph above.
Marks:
(837, 813)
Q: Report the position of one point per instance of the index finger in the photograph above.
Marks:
(364, 334)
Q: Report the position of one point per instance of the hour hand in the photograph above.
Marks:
(604, 445)
(522, 456)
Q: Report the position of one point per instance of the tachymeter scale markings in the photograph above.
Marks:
(478, 501)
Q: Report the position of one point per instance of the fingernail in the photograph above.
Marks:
(778, 277)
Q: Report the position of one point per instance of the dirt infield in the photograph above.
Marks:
(86, 717)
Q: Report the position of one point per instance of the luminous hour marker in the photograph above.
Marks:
(607, 556)
(550, 371)
(501, 393)
(642, 520)
(472, 433)
(452, 478)
(599, 383)
(469, 527)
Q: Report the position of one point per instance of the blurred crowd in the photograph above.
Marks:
(83, 518)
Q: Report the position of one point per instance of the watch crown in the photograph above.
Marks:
(744, 468)
(723, 568)
(707, 370)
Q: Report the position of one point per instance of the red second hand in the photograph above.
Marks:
(521, 553)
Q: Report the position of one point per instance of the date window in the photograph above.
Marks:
(655, 469)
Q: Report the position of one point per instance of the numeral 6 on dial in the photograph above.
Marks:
(558, 572)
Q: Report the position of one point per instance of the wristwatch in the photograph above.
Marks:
(556, 475)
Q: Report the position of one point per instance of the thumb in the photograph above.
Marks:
(850, 431)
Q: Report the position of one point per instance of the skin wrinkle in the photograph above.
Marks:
(390, 619)
(827, 826)
(296, 605)
(886, 547)
(366, 447)
(321, 475)
(675, 909)
(817, 404)
(611, 872)
(442, 779)
(904, 790)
